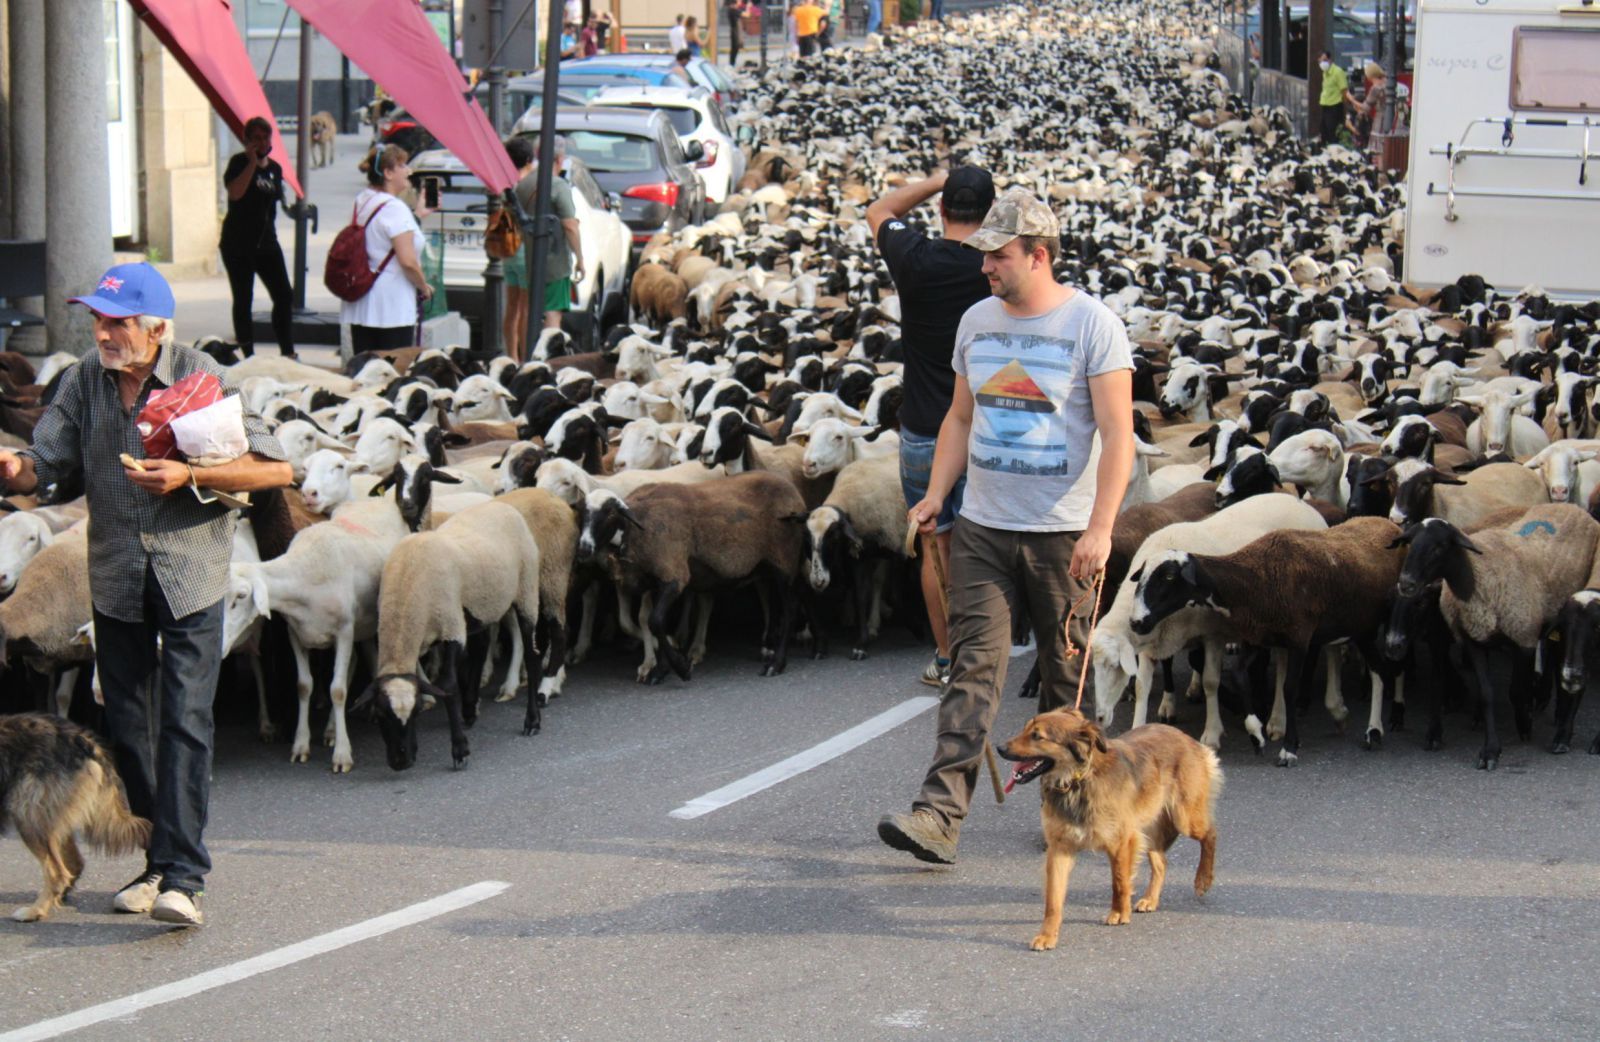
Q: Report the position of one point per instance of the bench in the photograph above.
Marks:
(21, 275)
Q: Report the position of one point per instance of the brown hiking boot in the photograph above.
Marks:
(920, 834)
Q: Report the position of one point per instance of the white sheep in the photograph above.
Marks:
(1500, 427)
(832, 445)
(481, 397)
(862, 521)
(300, 438)
(333, 478)
(1568, 468)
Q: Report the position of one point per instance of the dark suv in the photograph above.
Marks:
(636, 154)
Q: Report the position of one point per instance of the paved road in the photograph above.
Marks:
(1361, 895)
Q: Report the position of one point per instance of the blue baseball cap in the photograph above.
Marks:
(130, 289)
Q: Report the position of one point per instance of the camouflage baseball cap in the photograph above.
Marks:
(1017, 212)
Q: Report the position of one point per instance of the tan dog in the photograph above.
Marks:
(56, 779)
(323, 130)
(1132, 794)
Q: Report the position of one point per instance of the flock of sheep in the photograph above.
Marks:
(1337, 475)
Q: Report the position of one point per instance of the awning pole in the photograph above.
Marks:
(544, 222)
(490, 334)
(302, 166)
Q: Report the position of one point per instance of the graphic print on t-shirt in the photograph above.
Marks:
(1018, 425)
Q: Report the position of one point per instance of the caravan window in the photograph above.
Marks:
(1555, 70)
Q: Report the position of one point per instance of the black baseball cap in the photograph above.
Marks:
(969, 188)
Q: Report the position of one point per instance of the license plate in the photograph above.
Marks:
(465, 240)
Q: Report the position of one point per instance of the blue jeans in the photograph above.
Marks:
(916, 467)
(938, 10)
(165, 764)
(874, 15)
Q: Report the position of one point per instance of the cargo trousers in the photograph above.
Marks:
(991, 570)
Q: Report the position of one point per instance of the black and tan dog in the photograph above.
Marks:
(1125, 796)
(55, 779)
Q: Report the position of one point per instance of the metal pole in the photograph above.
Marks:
(302, 166)
(763, 6)
(543, 220)
(494, 272)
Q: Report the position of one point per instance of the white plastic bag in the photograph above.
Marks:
(215, 432)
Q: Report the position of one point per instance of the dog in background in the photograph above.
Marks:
(1130, 795)
(54, 779)
(323, 129)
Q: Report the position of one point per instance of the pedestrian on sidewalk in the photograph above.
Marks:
(691, 36)
(158, 569)
(564, 257)
(874, 15)
(514, 269)
(937, 279)
(1335, 95)
(807, 18)
(1040, 369)
(386, 318)
(249, 244)
(734, 12)
(677, 40)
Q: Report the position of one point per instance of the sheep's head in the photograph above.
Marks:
(22, 536)
(1412, 483)
(1436, 553)
(727, 434)
(1252, 474)
(603, 523)
(830, 445)
(1578, 622)
(829, 538)
(327, 480)
(1115, 662)
(396, 699)
(245, 602)
(1167, 584)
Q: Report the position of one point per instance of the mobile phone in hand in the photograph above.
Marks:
(430, 192)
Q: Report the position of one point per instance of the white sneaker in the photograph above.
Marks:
(179, 908)
(139, 896)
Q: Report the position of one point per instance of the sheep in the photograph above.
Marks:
(864, 519)
(23, 533)
(728, 441)
(666, 539)
(645, 445)
(1575, 627)
(331, 479)
(326, 589)
(481, 398)
(1420, 491)
(1314, 461)
(555, 530)
(1568, 469)
(831, 445)
(48, 607)
(300, 438)
(290, 372)
(1118, 653)
(1500, 428)
(570, 483)
(1190, 390)
(474, 569)
(1290, 590)
(1574, 394)
(413, 490)
(1503, 585)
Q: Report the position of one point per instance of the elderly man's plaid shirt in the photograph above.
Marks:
(187, 543)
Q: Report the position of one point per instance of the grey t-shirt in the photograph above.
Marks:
(1033, 422)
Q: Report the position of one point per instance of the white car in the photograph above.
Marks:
(459, 225)
(697, 116)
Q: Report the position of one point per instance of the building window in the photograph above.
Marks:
(1555, 70)
(262, 17)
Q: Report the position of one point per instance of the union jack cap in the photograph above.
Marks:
(130, 289)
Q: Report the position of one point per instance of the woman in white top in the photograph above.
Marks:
(386, 318)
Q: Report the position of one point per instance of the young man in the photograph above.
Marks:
(938, 280)
(565, 250)
(1040, 369)
(158, 568)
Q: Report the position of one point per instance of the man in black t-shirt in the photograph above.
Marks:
(938, 280)
(250, 238)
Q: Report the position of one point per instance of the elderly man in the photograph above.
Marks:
(1041, 368)
(158, 568)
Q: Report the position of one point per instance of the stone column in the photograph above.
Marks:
(179, 163)
(77, 211)
(25, 22)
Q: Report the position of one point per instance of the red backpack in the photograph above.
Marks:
(346, 274)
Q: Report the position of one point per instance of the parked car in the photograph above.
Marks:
(636, 154)
(460, 222)
(703, 71)
(655, 75)
(697, 116)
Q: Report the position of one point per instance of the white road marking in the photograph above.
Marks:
(265, 963)
(801, 762)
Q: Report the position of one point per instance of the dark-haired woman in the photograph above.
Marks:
(250, 239)
(386, 318)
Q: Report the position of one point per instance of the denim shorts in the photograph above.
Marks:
(916, 466)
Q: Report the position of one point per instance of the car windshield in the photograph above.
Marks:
(684, 121)
(613, 152)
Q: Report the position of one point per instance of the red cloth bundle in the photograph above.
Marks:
(192, 393)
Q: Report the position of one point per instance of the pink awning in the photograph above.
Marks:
(203, 38)
(394, 43)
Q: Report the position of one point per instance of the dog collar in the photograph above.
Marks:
(1072, 781)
